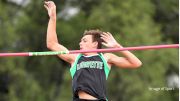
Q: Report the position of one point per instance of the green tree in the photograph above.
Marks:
(47, 78)
(132, 23)
(167, 15)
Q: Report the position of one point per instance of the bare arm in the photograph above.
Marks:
(52, 40)
(128, 60)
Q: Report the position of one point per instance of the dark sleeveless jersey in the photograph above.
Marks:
(89, 74)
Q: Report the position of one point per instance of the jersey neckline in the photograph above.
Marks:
(90, 55)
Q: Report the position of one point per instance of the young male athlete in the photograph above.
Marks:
(89, 71)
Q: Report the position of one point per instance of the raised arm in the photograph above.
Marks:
(128, 60)
(51, 39)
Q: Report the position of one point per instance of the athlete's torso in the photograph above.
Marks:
(89, 75)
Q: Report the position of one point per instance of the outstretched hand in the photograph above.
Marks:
(51, 8)
(109, 40)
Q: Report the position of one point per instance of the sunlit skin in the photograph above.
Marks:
(128, 60)
(87, 43)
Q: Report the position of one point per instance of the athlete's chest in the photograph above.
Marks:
(93, 62)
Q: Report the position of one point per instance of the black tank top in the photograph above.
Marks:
(89, 74)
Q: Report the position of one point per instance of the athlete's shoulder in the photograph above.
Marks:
(75, 57)
(107, 55)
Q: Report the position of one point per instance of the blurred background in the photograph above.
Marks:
(23, 25)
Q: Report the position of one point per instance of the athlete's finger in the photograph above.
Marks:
(105, 34)
(46, 6)
(109, 33)
(105, 44)
(102, 35)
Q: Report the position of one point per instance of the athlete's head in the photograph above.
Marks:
(91, 40)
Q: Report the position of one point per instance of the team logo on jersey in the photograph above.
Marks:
(90, 64)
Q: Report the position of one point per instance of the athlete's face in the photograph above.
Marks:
(87, 43)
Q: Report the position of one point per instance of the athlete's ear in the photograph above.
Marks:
(95, 44)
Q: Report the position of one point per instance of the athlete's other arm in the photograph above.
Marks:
(128, 60)
(51, 39)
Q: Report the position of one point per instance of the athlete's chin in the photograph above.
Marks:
(83, 49)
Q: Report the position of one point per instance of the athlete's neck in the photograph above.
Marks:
(89, 54)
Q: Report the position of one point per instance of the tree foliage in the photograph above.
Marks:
(132, 23)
